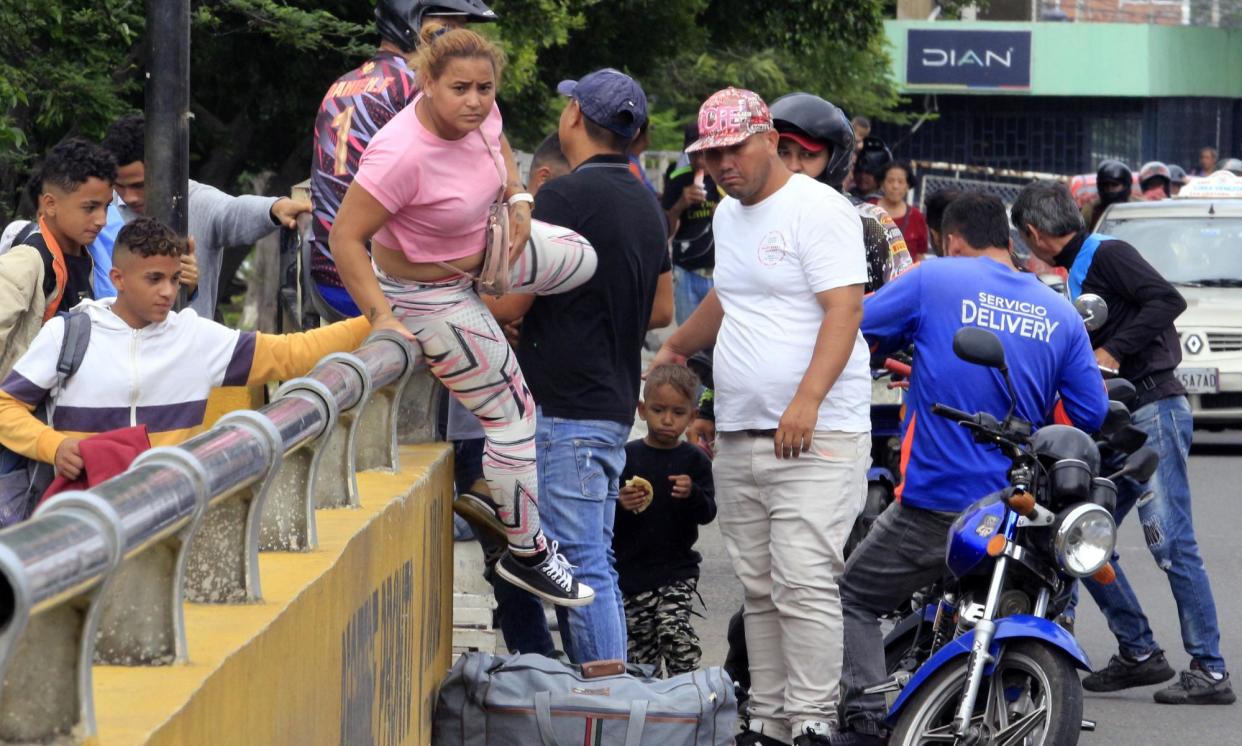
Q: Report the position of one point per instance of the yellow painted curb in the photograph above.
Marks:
(348, 646)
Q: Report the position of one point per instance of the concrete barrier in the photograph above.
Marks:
(117, 576)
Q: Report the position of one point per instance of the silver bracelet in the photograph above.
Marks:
(526, 197)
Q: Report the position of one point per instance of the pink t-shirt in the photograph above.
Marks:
(437, 190)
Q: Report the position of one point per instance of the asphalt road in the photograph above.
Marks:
(1129, 717)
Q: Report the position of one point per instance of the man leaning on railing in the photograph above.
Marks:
(145, 363)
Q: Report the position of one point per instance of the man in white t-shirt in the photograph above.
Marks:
(793, 394)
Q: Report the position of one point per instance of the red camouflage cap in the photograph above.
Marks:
(730, 116)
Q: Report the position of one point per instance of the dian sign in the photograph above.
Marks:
(954, 58)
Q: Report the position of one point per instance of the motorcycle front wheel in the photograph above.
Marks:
(1033, 698)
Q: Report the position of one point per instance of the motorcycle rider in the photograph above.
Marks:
(362, 101)
(1155, 181)
(817, 139)
(1113, 181)
(945, 470)
(1140, 341)
(1177, 179)
(872, 159)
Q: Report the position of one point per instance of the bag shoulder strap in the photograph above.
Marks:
(500, 166)
(73, 345)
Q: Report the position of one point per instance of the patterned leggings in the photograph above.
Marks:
(658, 623)
(466, 349)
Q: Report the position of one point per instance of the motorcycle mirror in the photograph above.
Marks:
(1118, 417)
(979, 346)
(1093, 309)
(1128, 439)
(1119, 389)
(1141, 465)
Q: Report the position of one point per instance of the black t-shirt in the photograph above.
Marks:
(580, 350)
(78, 271)
(693, 244)
(656, 547)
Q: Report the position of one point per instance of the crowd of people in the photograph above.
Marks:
(785, 246)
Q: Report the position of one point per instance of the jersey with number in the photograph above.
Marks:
(357, 105)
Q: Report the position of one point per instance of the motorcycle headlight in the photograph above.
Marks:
(1083, 539)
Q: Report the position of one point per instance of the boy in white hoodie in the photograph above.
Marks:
(145, 364)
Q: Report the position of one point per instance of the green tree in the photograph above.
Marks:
(260, 67)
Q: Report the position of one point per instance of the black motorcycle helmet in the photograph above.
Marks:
(809, 115)
(874, 156)
(1070, 459)
(1114, 171)
(399, 21)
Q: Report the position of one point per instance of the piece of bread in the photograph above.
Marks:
(645, 486)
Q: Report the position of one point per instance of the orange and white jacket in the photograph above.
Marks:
(158, 376)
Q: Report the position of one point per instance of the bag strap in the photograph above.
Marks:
(498, 203)
(638, 722)
(543, 719)
(73, 346)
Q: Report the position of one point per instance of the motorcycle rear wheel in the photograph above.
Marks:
(1033, 698)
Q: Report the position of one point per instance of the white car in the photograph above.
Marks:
(1195, 241)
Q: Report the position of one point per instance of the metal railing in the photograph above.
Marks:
(100, 576)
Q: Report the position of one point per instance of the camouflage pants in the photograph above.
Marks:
(660, 632)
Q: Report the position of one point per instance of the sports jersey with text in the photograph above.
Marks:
(355, 107)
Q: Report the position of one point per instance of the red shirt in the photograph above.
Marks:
(913, 227)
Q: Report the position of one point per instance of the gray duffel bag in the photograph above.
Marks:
(530, 700)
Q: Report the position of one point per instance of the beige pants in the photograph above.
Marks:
(785, 523)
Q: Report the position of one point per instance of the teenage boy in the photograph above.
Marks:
(146, 364)
(217, 220)
(581, 350)
(49, 268)
(793, 396)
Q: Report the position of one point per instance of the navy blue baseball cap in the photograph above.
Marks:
(610, 98)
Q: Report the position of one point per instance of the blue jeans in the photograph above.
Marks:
(1170, 535)
(518, 613)
(689, 290)
(580, 463)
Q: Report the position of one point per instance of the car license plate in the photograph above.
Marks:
(1199, 380)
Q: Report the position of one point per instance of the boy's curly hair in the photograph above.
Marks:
(682, 379)
(72, 162)
(148, 237)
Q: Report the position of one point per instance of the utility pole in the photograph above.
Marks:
(167, 148)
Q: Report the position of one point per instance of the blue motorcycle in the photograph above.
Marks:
(1001, 672)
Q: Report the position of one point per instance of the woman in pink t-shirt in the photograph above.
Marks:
(421, 198)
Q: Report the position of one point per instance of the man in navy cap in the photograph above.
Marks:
(580, 350)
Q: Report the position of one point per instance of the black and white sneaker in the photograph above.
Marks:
(552, 579)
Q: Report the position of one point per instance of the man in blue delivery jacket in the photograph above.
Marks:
(945, 471)
(1140, 341)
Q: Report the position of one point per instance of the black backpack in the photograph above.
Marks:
(23, 481)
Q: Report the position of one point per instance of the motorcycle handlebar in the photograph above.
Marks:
(956, 415)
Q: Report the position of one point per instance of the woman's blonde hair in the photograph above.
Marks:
(441, 44)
